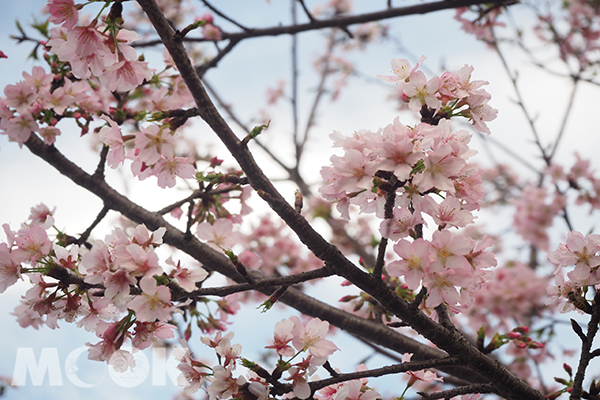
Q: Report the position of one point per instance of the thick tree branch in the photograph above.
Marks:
(215, 261)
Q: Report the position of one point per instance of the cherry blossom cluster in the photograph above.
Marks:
(535, 210)
(219, 381)
(97, 49)
(449, 95)
(514, 293)
(120, 275)
(277, 252)
(89, 65)
(426, 169)
(482, 25)
(576, 31)
(579, 178)
(582, 253)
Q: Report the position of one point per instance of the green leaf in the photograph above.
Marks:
(419, 167)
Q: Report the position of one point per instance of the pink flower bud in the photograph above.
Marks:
(521, 329)
(513, 335)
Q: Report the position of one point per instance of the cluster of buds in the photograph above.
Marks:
(518, 336)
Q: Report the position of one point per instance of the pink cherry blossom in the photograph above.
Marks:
(38, 78)
(449, 251)
(223, 385)
(420, 91)
(187, 277)
(211, 32)
(126, 75)
(57, 100)
(220, 234)
(448, 212)
(166, 169)
(154, 302)
(146, 333)
(193, 373)
(10, 268)
(229, 352)
(426, 376)
(283, 335)
(63, 12)
(402, 223)
(480, 112)
(33, 243)
(19, 128)
(111, 137)
(138, 261)
(112, 335)
(300, 384)
(19, 96)
(311, 337)
(41, 215)
(415, 259)
(440, 166)
(154, 141)
(49, 134)
(355, 390)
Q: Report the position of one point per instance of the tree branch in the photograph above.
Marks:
(505, 383)
(343, 21)
(215, 261)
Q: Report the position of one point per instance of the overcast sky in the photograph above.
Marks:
(241, 79)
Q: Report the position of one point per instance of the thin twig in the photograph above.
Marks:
(201, 69)
(520, 102)
(390, 200)
(586, 345)
(199, 194)
(447, 394)
(341, 21)
(319, 94)
(376, 372)
(215, 95)
(99, 173)
(306, 11)
(220, 14)
(417, 301)
(294, 98)
(86, 234)
(567, 112)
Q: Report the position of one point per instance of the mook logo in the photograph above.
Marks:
(126, 369)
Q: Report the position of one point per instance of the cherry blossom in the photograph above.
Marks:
(223, 385)
(10, 268)
(354, 390)
(166, 169)
(111, 136)
(152, 142)
(415, 259)
(187, 277)
(63, 12)
(220, 234)
(154, 302)
(426, 376)
(193, 373)
(311, 337)
(33, 243)
(421, 91)
(283, 335)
